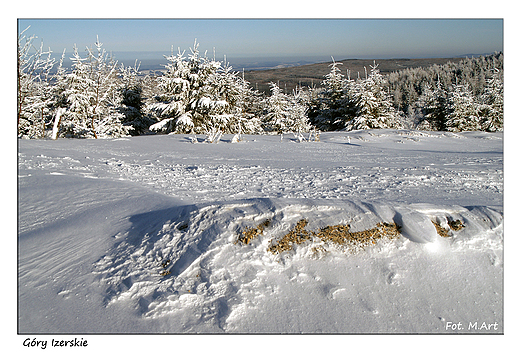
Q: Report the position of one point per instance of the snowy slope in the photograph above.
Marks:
(141, 234)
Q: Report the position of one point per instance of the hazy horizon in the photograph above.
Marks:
(155, 60)
(288, 39)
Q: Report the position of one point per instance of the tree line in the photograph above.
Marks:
(99, 98)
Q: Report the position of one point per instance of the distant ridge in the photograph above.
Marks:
(288, 72)
(313, 74)
(473, 55)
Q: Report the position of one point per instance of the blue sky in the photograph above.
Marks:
(341, 38)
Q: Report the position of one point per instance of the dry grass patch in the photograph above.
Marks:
(341, 234)
(440, 230)
(338, 234)
(454, 225)
(318, 250)
(297, 235)
(249, 234)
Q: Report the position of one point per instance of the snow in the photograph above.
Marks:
(161, 124)
(101, 220)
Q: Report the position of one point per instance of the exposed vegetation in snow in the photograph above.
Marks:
(376, 231)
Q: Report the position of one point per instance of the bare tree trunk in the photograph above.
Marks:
(57, 122)
(43, 123)
(95, 107)
(20, 103)
(93, 127)
(20, 94)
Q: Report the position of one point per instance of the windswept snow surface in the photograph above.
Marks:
(102, 221)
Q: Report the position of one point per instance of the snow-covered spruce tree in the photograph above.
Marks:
(213, 98)
(299, 119)
(275, 119)
(285, 114)
(225, 104)
(132, 103)
(60, 103)
(34, 97)
(420, 122)
(168, 106)
(94, 97)
(182, 101)
(199, 95)
(37, 110)
(330, 99)
(335, 104)
(245, 103)
(60, 84)
(250, 109)
(491, 110)
(435, 107)
(373, 104)
(463, 114)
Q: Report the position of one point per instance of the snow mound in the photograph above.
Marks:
(157, 234)
(416, 226)
(184, 263)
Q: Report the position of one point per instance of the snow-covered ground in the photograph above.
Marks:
(140, 234)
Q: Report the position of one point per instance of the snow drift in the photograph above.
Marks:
(187, 261)
(142, 234)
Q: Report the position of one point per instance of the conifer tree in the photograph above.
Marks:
(374, 106)
(34, 96)
(199, 95)
(298, 115)
(170, 105)
(60, 103)
(245, 104)
(275, 119)
(335, 105)
(209, 103)
(491, 111)
(132, 102)
(285, 114)
(220, 109)
(435, 107)
(188, 100)
(94, 97)
(463, 110)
